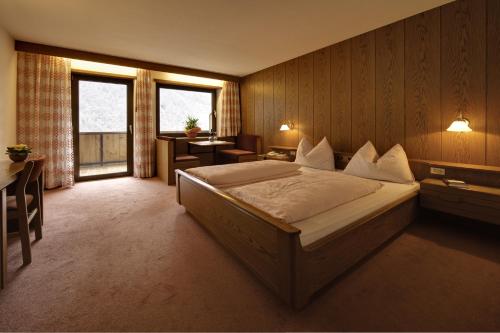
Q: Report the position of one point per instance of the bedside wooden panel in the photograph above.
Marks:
(477, 202)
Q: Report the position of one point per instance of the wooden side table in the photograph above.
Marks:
(476, 202)
(288, 153)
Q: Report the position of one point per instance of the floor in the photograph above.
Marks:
(98, 169)
(121, 255)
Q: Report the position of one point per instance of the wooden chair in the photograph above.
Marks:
(25, 205)
(246, 150)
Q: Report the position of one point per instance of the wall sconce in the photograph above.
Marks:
(460, 124)
(286, 126)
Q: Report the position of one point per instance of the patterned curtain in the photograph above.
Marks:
(144, 133)
(228, 118)
(44, 113)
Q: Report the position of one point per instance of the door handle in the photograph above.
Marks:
(130, 129)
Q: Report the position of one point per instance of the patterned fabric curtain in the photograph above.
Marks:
(144, 133)
(44, 113)
(228, 118)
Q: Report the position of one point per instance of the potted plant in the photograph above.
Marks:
(192, 128)
(19, 152)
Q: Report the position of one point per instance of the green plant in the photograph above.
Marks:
(191, 123)
(18, 149)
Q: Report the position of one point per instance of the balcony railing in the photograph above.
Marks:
(103, 147)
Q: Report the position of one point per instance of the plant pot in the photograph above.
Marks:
(193, 132)
(18, 157)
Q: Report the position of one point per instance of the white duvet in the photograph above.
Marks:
(244, 173)
(299, 197)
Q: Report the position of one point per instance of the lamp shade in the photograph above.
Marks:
(284, 127)
(459, 125)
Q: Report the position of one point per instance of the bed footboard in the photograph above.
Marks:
(263, 244)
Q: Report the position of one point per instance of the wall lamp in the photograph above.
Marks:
(286, 126)
(460, 124)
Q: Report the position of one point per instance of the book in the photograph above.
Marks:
(455, 183)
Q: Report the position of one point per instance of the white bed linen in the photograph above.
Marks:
(292, 199)
(318, 226)
(243, 173)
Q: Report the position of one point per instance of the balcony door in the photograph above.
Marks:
(102, 126)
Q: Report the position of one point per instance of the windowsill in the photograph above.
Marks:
(182, 134)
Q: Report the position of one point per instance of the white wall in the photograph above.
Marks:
(8, 76)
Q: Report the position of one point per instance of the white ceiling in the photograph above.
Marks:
(235, 37)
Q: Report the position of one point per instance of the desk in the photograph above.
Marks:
(213, 144)
(8, 172)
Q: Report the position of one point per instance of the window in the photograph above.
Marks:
(175, 103)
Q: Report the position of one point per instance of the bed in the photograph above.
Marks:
(297, 260)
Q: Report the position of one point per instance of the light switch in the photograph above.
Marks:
(437, 171)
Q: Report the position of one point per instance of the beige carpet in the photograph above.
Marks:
(122, 255)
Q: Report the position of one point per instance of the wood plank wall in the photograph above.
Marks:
(402, 83)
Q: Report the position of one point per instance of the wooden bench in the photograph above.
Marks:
(167, 159)
(247, 147)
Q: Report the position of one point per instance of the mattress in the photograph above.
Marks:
(323, 224)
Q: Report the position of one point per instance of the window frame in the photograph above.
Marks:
(160, 85)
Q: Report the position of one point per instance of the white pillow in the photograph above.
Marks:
(319, 157)
(392, 166)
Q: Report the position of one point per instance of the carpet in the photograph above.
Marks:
(121, 255)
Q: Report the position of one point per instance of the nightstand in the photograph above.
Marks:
(476, 202)
(282, 153)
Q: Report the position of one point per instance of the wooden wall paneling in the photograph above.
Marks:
(493, 75)
(259, 104)
(463, 79)
(269, 128)
(306, 96)
(292, 101)
(341, 96)
(363, 89)
(422, 86)
(389, 92)
(279, 103)
(322, 90)
(250, 105)
(244, 97)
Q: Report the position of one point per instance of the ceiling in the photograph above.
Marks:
(236, 37)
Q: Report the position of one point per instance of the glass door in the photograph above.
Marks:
(102, 126)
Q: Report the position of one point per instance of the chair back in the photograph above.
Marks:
(37, 169)
(247, 142)
(24, 179)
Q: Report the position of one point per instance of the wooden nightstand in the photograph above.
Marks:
(476, 202)
(287, 153)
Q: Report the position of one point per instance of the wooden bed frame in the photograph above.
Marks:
(272, 248)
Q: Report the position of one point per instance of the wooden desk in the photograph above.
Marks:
(8, 172)
(213, 144)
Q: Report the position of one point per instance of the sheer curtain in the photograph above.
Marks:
(144, 133)
(229, 117)
(44, 120)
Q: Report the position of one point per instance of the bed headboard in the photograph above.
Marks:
(470, 173)
(341, 159)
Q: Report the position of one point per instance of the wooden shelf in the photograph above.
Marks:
(288, 148)
(475, 202)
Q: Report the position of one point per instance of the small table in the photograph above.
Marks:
(213, 144)
(475, 202)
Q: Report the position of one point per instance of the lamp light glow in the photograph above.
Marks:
(459, 125)
(284, 127)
